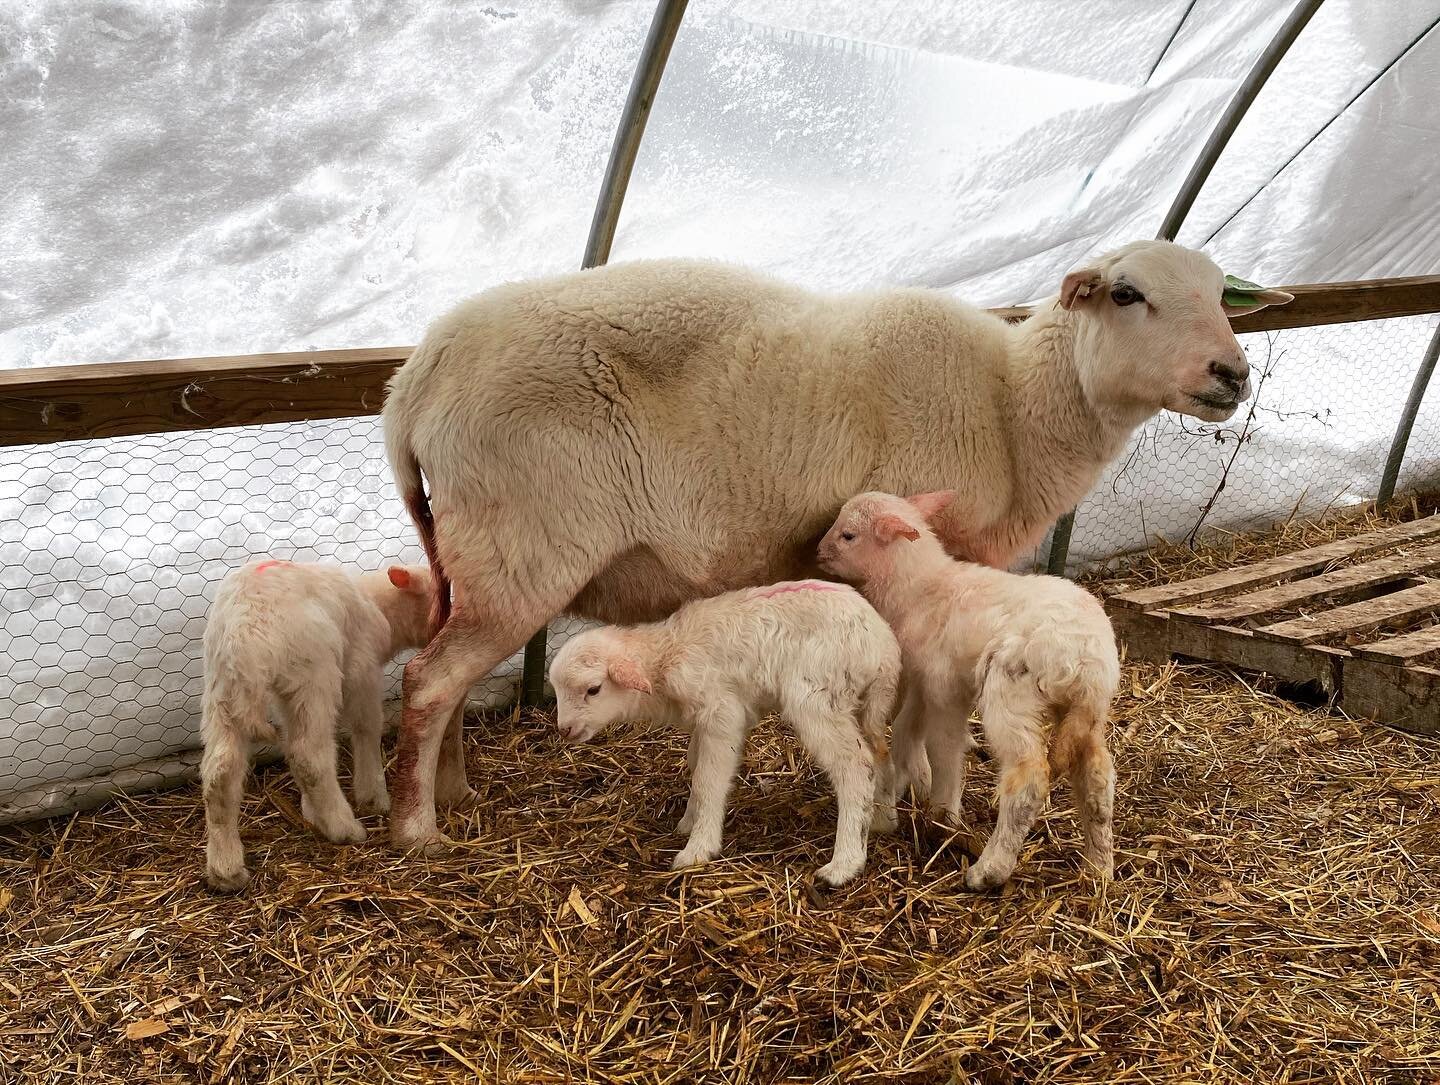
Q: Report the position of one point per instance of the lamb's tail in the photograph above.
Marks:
(410, 481)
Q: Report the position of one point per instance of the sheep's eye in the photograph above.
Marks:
(1125, 294)
(592, 691)
(848, 536)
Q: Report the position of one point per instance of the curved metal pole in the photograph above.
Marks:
(1407, 420)
(1240, 104)
(643, 86)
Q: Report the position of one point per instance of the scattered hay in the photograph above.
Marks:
(1276, 918)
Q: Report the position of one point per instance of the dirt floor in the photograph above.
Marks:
(1276, 917)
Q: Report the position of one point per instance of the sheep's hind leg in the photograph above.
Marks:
(687, 819)
(364, 710)
(1013, 715)
(452, 787)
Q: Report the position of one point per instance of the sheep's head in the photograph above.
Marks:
(598, 682)
(1153, 331)
(860, 542)
(404, 594)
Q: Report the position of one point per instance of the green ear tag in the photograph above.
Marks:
(1239, 292)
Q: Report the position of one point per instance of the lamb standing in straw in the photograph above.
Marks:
(815, 652)
(315, 639)
(618, 442)
(1037, 651)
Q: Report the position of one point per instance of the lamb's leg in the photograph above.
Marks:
(720, 740)
(223, 768)
(365, 711)
(309, 740)
(1013, 717)
(452, 788)
(687, 819)
(948, 743)
(1092, 784)
(838, 747)
(912, 764)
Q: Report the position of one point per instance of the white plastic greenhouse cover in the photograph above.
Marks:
(187, 179)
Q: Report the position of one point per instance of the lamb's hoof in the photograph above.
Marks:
(981, 879)
(348, 831)
(692, 857)
(372, 805)
(464, 798)
(227, 881)
(884, 821)
(835, 873)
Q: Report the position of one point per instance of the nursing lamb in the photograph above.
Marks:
(617, 442)
(812, 651)
(314, 639)
(1036, 651)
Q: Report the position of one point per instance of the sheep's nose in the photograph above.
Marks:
(1235, 372)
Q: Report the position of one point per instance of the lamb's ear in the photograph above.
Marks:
(401, 578)
(1079, 285)
(628, 674)
(1241, 297)
(933, 503)
(888, 527)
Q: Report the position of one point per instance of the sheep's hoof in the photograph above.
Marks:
(835, 873)
(231, 882)
(981, 878)
(884, 821)
(420, 842)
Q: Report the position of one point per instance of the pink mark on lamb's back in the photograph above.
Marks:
(800, 585)
(271, 564)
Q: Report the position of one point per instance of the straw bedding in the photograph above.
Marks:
(1276, 918)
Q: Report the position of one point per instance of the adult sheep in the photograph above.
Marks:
(616, 442)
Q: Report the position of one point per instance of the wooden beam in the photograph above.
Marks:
(115, 399)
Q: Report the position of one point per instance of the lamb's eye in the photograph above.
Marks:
(848, 536)
(592, 691)
(1125, 294)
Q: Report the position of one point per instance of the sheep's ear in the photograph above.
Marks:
(1079, 285)
(933, 503)
(1241, 297)
(628, 674)
(401, 578)
(889, 527)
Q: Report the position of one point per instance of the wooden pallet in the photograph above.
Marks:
(1357, 617)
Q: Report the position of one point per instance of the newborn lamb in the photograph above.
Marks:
(315, 639)
(815, 652)
(1038, 651)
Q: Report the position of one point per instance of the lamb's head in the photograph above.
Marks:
(862, 542)
(1152, 331)
(404, 594)
(598, 682)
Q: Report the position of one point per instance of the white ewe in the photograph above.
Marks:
(1037, 651)
(315, 639)
(815, 652)
(617, 442)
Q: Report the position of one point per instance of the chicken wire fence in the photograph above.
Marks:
(111, 550)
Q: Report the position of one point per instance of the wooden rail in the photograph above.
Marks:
(115, 399)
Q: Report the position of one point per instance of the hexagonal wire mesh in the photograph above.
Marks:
(110, 551)
(110, 554)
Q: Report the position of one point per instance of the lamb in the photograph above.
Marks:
(614, 443)
(1037, 650)
(314, 638)
(813, 651)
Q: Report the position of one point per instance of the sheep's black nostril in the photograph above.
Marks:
(1228, 373)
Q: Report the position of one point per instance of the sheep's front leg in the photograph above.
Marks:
(948, 743)
(912, 765)
(687, 819)
(718, 742)
(363, 709)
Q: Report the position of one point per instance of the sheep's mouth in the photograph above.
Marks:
(1216, 403)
